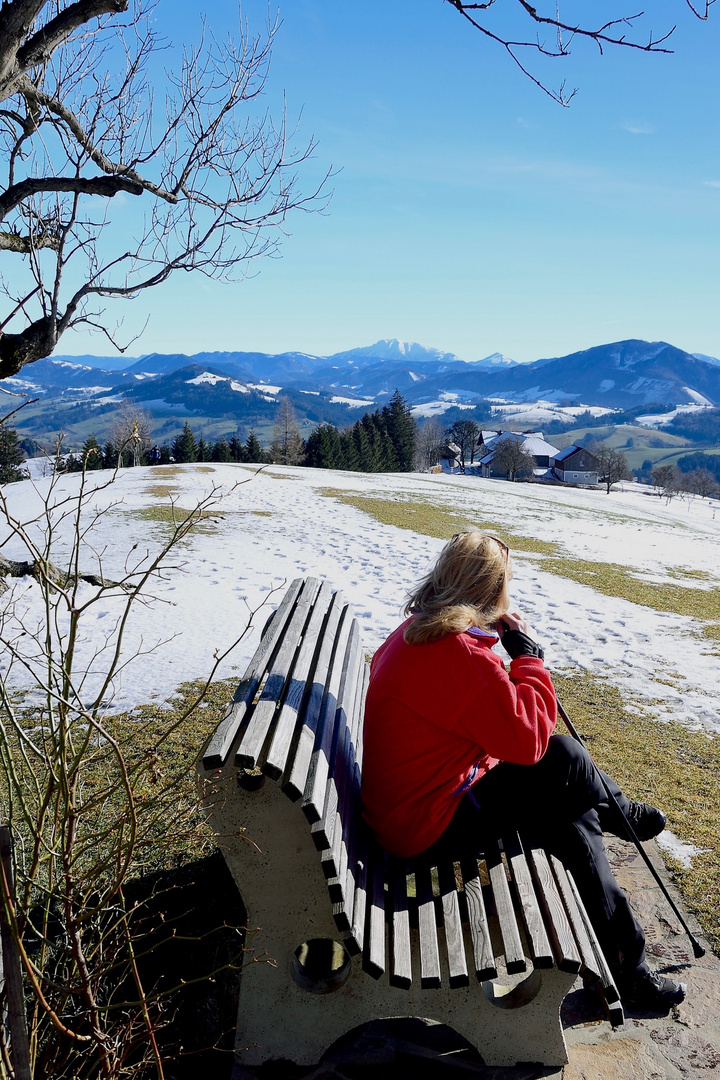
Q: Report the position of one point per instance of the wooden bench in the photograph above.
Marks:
(325, 903)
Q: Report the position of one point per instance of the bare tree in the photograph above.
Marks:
(287, 445)
(464, 433)
(612, 465)
(130, 433)
(668, 479)
(703, 483)
(80, 125)
(93, 800)
(623, 31)
(512, 457)
(429, 441)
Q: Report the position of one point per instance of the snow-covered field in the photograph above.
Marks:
(278, 525)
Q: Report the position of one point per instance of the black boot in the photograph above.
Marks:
(650, 992)
(646, 820)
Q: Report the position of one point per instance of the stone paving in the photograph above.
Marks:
(684, 1045)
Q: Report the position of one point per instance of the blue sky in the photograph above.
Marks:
(469, 211)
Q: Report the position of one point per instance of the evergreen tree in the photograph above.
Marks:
(253, 449)
(386, 449)
(402, 431)
(323, 449)
(236, 448)
(363, 445)
(164, 454)
(221, 450)
(371, 458)
(202, 450)
(184, 448)
(351, 458)
(11, 456)
(91, 455)
(110, 455)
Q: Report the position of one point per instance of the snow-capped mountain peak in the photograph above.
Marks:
(394, 349)
(494, 360)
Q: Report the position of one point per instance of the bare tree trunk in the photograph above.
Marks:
(16, 1019)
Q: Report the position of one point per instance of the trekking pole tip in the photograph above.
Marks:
(697, 948)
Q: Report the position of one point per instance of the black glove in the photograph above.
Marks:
(515, 644)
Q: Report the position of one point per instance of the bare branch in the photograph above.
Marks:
(107, 186)
(613, 32)
(55, 33)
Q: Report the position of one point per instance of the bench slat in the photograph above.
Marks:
(566, 952)
(318, 783)
(335, 858)
(277, 755)
(401, 952)
(356, 881)
(350, 810)
(374, 958)
(477, 919)
(430, 978)
(457, 961)
(538, 941)
(512, 943)
(587, 955)
(607, 982)
(349, 784)
(320, 691)
(253, 739)
(356, 936)
(220, 745)
(328, 831)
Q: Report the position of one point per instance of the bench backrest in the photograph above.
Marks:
(296, 717)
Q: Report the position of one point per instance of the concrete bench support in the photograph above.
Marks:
(283, 888)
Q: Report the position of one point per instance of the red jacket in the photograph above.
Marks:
(434, 712)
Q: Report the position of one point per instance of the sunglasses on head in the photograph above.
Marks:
(498, 541)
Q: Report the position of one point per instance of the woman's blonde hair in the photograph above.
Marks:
(467, 586)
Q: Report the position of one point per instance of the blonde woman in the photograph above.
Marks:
(457, 747)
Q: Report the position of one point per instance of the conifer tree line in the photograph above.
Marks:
(381, 441)
(185, 447)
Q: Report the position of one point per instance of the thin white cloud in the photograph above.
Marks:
(636, 127)
(710, 183)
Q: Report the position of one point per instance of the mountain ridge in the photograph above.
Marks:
(244, 387)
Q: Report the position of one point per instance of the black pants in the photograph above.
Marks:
(561, 804)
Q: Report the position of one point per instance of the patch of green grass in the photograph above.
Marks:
(172, 516)
(282, 475)
(664, 764)
(612, 579)
(164, 748)
(161, 491)
(159, 746)
(681, 572)
(178, 471)
(422, 516)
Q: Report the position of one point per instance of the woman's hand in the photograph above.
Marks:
(516, 636)
(513, 621)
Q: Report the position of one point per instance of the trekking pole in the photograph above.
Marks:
(697, 948)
